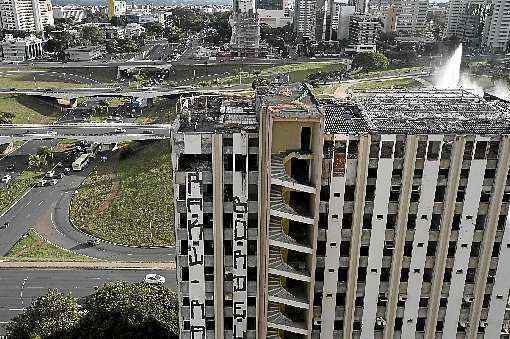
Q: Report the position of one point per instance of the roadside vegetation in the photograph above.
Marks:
(32, 247)
(25, 80)
(21, 109)
(16, 187)
(297, 72)
(129, 198)
(114, 310)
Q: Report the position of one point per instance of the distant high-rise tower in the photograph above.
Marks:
(245, 28)
(305, 18)
(411, 15)
(467, 20)
(26, 15)
(497, 38)
(116, 8)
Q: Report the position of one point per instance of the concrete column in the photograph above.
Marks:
(334, 233)
(400, 236)
(496, 311)
(217, 161)
(444, 235)
(263, 211)
(465, 239)
(377, 238)
(420, 241)
(359, 207)
(240, 236)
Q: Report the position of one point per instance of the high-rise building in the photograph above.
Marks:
(273, 12)
(467, 21)
(411, 15)
(305, 19)
(245, 24)
(381, 215)
(25, 15)
(116, 8)
(497, 38)
(340, 18)
(364, 32)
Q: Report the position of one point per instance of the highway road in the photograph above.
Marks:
(19, 287)
(142, 92)
(103, 133)
(47, 210)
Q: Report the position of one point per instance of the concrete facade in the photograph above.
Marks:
(305, 218)
(26, 15)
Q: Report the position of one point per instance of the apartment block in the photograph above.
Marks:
(364, 32)
(381, 215)
(411, 16)
(467, 20)
(497, 38)
(25, 15)
(305, 19)
(245, 24)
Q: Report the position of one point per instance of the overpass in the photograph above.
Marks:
(99, 133)
(142, 92)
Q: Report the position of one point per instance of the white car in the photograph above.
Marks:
(119, 130)
(154, 279)
(6, 178)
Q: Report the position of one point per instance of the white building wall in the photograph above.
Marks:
(464, 242)
(420, 242)
(347, 169)
(195, 219)
(240, 237)
(377, 239)
(500, 291)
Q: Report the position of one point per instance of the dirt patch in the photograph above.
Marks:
(115, 186)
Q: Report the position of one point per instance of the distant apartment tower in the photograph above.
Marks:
(410, 15)
(273, 12)
(26, 15)
(245, 24)
(383, 215)
(116, 8)
(498, 32)
(467, 21)
(340, 18)
(364, 32)
(305, 19)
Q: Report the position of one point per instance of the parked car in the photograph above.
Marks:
(93, 242)
(119, 130)
(152, 278)
(53, 175)
(6, 178)
(10, 168)
(47, 182)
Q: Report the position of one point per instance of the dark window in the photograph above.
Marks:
(253, 192)
(253, 162)
(480, 150)
(253, 142)
(387, 149)
(240, 163)
(325, 193)
(433, 150)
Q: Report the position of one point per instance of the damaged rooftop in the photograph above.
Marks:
(377, 111)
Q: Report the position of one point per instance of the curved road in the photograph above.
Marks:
(47, 210)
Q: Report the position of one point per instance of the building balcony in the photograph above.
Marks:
(279, 175)
(279, 208)
(295, 297)
(281, 238)
(278, 320)
(295, 269)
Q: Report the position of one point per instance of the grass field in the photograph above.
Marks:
(161, 111)
(129, 199)
(32, 247)
(27, 110)
(15, 188)
(297, 71)
(26, 81)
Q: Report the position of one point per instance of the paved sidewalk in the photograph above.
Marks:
(109, 265)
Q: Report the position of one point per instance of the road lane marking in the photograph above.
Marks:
(17, 309)
(42, 202)
(28, 203)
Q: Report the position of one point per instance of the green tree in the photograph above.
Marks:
(53, 315)
(46, 152)
(125, 310)
(174, 34)
(92, 35)
(370, 61)
(154, 29)
(37, 162)
(219, 28)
